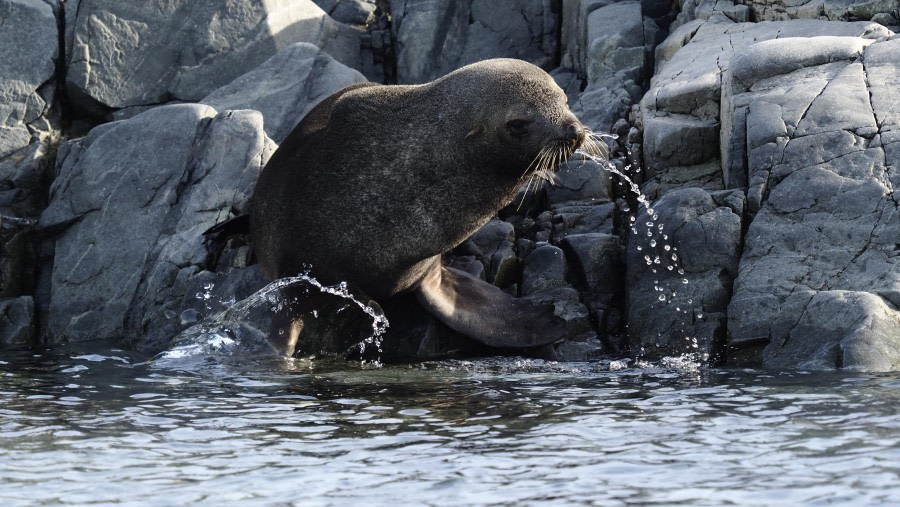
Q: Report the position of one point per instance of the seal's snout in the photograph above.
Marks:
(574, 135)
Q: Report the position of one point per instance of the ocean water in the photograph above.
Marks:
(93, 425)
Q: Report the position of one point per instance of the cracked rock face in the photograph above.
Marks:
(29, 46)
(680, 268)
(285, 87)
(822, 157)
(434, 38)
(882, 11)
(127, 212)
(681, 111)
(146, 53)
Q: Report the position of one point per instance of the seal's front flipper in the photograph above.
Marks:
(485, 313)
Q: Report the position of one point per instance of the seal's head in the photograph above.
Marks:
(526, 121)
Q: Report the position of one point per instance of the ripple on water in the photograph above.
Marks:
(448, 433)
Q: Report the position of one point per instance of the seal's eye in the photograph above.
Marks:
(517, 127)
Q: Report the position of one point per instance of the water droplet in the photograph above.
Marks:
(667, 247)
(662, 297)
(684, 281)
(653, 243)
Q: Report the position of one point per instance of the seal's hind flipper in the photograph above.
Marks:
(485, 313)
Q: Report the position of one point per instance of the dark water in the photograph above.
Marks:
(98, 427)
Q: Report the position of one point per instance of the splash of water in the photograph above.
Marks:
(242, 329)
(661, 257)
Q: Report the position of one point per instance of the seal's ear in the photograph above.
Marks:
(475, 131)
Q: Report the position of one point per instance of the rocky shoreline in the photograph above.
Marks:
(766, 133)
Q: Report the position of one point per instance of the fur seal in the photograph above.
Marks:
(378, 181)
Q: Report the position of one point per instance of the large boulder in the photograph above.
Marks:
(681, 262)
(610, 44)
(146, 53)
(681, 111)
(285, 87)
(817, 121)
(126, 215)
(434, 38)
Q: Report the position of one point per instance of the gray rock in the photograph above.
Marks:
(16, 255)
(615, 41)
(28, 49)
(702, 10)
(286, 87)
(128, 208)
(573, 32)
(601, 104)
(468, 263)
(580, 179)
(29, 46)
(840, 329)
(142, 53)
(544, 269)
(788, 77)
(434, 38)
(22, 176)
(681, 111)
(579, 218)
(821, 134)
(585, 347)
(354, 12)
(493, 246)
(610, 43)
(597, 260)
(16, 320)
(882, 11)
(579, 341)
(692, 239)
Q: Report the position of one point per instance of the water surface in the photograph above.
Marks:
(93, 425)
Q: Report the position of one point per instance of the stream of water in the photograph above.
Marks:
(92, 425)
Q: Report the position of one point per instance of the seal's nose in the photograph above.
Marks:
(575, 134)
